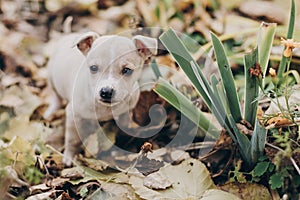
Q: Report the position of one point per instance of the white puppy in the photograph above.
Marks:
(98, 76)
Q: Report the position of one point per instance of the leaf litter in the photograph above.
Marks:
(27, 33)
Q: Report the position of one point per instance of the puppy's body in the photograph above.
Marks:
(98, 79)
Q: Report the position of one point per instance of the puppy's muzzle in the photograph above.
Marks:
(106, 94)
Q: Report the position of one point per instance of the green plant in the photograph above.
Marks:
(221, 96)
(284, 59)
(262, 168)
(217, 94)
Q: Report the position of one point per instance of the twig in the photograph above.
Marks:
(44, 165)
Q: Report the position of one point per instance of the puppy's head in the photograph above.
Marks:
(114, 64)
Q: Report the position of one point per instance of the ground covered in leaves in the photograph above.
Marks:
(31, 147)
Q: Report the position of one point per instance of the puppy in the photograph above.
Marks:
(98, 76)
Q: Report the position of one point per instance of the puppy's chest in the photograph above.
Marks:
(103, 113)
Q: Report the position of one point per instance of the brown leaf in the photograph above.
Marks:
(147, 166)
(21, 99)
(141, 110)
(95, 164)
(278, 121)
(73, 173)
(247, 191)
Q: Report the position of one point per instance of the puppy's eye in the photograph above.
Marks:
(94, 69)
(126, 71)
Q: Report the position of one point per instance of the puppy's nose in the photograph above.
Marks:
(106, 93)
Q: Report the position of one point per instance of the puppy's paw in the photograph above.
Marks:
(67, 160)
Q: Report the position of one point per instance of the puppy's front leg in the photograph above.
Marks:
(72, 138)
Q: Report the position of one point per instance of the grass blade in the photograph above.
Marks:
(185, 106)
(258, 141)
(155, 69)
(180, 53)
(265, 42)
(216, 106)
(251, 88)
(282, 66)
(227, 78)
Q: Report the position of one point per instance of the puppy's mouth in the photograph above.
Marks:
(109, 103)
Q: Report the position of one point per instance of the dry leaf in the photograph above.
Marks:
(19, 150)
(247, 191)
(98, 165)
(21, 99)
(141, 111)
(27, 130)
(73, 173)
(8, 177)
(156, 181)
(278, 121)
(214, 194)
(46, 195)
(189, 180)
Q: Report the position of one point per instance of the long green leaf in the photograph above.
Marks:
(264, 43)
(221, 99)
(217, 108)
(155, 69)
(185, 106)
(216, 105)
(282, 66)
(219, 93)
(180, 53)
(258, 141)
(251, 87)
(193, 72)
(242, 141)
(227, 78)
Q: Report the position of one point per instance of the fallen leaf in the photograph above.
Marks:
(275, 117)
(141, 110)
(39, 188)
(73, 173)
(92, 175)
(247, 191)
(214, 194)
(98, 165)
(8, 80)
(114, 191)
(9, 176)
(147, 166)
(21, 99)
(179, 155)
(19, 149)
(46, 195)
(189, 180)
(278, 121)
(27, 130)
(156, 181)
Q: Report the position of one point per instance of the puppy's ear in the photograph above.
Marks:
(146, 46)
(84, 42)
